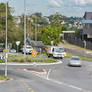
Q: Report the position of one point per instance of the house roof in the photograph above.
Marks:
(87, 21)
(87, 15)
(36, 43)
(68, 31)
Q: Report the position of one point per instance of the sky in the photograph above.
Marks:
(48, 7)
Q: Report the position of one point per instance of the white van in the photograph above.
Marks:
(55, 51)
(28, 49)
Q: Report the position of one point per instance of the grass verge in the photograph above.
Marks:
(20, 58)
(66, 44)
(83, 58)
(3, 77)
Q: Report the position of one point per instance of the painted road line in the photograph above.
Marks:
(62, 83)
(71, 86)
(27, 86)
(48, 73)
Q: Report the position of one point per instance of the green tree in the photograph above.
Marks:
(14, 32)
(50, 33)
(55, 19)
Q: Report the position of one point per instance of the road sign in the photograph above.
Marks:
(34, 53)
(52, 42)
(6, 50)
(17, 43)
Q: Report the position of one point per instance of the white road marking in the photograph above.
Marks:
(48, 73)
(75, 87)
(60, 83)
(68, 85)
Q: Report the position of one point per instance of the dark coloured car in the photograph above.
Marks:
(1, 49)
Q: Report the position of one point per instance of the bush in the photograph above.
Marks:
(2, 61)
(22, 59)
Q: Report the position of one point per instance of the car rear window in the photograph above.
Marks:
(75, 58)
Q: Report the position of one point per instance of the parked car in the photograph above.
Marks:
(28, 49)
(75, 61)
(1, 49)
(12, 51)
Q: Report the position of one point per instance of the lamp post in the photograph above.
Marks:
(6, 47)
(24, 27)
(35, 29)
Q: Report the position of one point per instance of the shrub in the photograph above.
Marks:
(21, 58)
(2, 61)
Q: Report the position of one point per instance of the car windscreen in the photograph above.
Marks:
(29, 47)
(60, 50)
(74, 58)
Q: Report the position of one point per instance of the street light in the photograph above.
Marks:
(35, 29)
(6, 47)
(24, 27)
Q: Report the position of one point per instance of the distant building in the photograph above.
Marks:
(87, 24)
(35, 44)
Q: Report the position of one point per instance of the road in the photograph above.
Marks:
(61, 78)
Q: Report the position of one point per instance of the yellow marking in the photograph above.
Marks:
(27, 86)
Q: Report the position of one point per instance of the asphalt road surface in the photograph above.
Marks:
(61, 78)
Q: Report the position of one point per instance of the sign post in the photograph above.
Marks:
(17, 43)
(6, 58)
(52, 43)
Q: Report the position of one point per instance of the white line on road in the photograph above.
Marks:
(68, 85)
(48, 73)
(61, 83)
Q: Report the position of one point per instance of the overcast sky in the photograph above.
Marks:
(48, 7)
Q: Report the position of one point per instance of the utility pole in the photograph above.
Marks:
(35, 29)
(6, 47)
(24, 27)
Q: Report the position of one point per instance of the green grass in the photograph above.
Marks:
(86, 59)
(2, 61)
(68, 55)
(3, 77)
(74, 46)
(30, 58)
(83, 58)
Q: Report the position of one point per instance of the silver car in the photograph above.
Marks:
(12, 51)
(75, 61)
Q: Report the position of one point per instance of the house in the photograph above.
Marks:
(87, 25)
(38, 45)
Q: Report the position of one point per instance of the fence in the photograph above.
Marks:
(77, 40)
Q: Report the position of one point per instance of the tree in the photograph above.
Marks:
(50, 33)
(55, 20)
(14, 32)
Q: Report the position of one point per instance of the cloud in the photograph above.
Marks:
(56, 3)
(83, 2)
